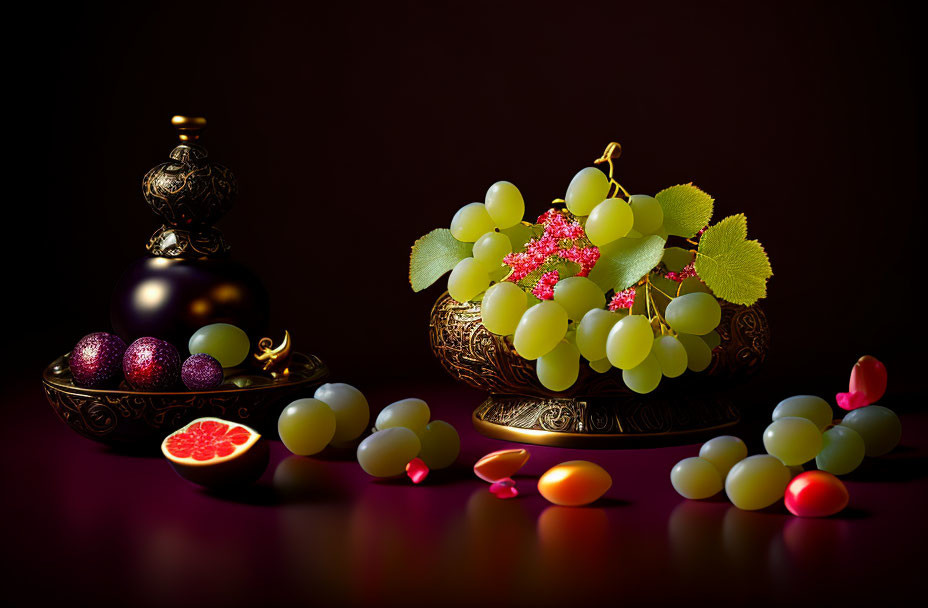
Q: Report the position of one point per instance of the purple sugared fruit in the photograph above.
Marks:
(151, 364)
(201, 372)
(97, 360)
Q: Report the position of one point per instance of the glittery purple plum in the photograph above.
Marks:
(151, 364)
(96, 360)
(201, 372)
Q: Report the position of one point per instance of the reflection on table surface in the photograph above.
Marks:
(124, 529)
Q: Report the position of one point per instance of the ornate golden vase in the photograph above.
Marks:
(598, 410)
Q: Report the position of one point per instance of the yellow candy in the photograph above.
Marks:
(574, 483)
(500, 464)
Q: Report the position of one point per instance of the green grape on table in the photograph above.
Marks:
(588, 188)
(712, 339)
(694, 313)
(440, 443)
(490, 249)
(352, 412)
(468, 279)
(724, 452)
(578, 295)
(793, 440)
(757, 482)
(471, 222)
(629, 342)
(540, 329)
(698, 354)
(671, 355)
(306, 426)
(644, 377)
(224, 342)
(505, 204)
(695, 478)
(676, 258)
(387, 452)
(608, 221)
(601, 366)
(592, 332)
(412, 414)
(809, 407)
(878, 426)
(558, 370)
(843, 450)
(649, 215)
(502, 306)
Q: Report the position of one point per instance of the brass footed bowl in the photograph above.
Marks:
(123, 416)
(598, 409)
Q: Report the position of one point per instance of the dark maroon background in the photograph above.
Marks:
(355, 129)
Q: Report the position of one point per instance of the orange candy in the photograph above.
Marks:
(500, 464)
(869, 377)
(574, 483)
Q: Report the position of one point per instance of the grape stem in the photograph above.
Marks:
(612, 152)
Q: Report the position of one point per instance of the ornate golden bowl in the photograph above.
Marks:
(124, 416)
(598, 410)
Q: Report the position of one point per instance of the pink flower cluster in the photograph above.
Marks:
(623, 299)
(688, 271)
(559, 239)
(544, 289)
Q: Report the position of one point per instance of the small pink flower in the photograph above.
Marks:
(688, 271)
(544, 289)
(623, 299)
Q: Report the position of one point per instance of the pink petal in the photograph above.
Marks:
(504, 488)
(417, 470)
(852, 400)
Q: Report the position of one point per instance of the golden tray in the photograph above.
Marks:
(124, 416)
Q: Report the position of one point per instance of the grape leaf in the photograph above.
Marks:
(433, 255)
(687, 209)
(735, 268)
(621, 264)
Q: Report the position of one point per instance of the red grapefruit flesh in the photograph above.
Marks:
(216, 453)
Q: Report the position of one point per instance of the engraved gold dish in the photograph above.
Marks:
(598, 410)
(123, 416)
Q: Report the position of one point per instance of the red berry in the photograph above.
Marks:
(151, 364)
(815, 494)
(97, 360)
(868, 377)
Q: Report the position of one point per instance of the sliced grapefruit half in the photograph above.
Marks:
(216, 453)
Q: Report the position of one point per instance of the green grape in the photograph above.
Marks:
(224, 342)
(592, 332)
(498, 275)
(644, 377)
(467, 280)
(306, 426)
(519, 235)
(441, 445)
(578, 295)
(694, 313)
(693, 285)
(809, 407)
(505, 204)
(490, 249)
(502, 307)
(712, 339)
(878, 426)
(587, 189)
(695, 478)
(757, 482)
(649, 215)
(629, 342)
(471, 222)
(571, 335)
(412, 414)
(540, 329)
(608, 221)
(724, 452)
(698, 355)
(843, 450)
(601, 366)
(676, 258)
(352, 413)
(386, 453)
(793, 440)
(671, 355)
(558, 370)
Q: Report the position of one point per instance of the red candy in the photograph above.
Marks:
(504, 488)
(868, 377)
(815, 494)
(852, 401)
(417, 470)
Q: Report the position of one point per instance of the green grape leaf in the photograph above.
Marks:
(433, 255)
(734, 268)
(623, 263)
(687, 209)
